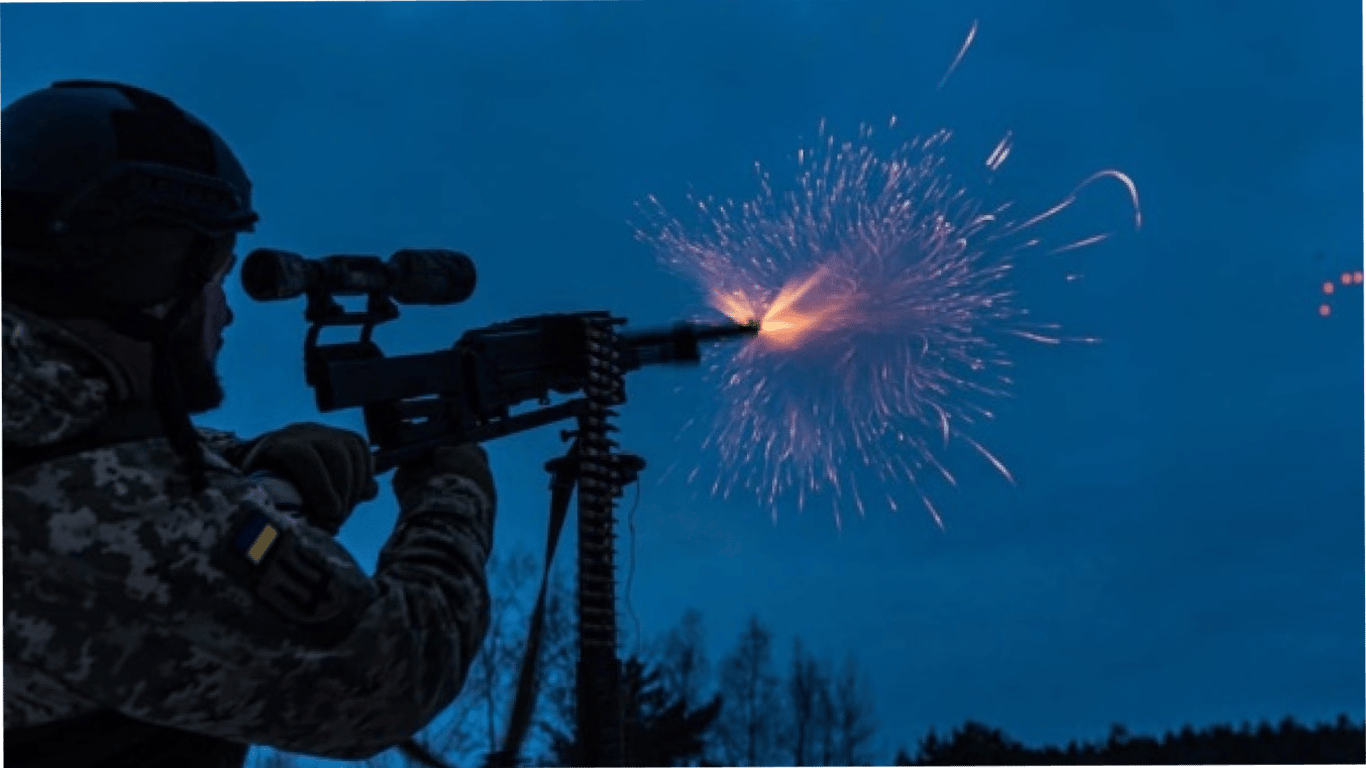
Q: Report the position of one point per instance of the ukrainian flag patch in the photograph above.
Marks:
(257, 538)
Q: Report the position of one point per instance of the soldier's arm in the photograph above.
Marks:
(218, 614)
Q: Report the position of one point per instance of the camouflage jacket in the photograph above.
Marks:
(150, 614)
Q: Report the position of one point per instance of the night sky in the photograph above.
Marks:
(1183, 543)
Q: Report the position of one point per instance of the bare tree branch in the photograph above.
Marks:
(750, 690)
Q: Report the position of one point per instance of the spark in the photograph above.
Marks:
(1329, 288)
(962, 51)
(883, 293)
(1000, 153)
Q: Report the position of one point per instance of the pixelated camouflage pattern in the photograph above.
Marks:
(123, 591)
(53, 386)
(220, 442)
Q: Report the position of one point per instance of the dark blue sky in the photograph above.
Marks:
(1184, 541)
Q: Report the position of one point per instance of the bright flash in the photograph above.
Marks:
(883, 295)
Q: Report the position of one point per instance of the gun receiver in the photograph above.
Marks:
(413, 403)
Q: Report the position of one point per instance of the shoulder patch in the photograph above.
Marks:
(256, 538)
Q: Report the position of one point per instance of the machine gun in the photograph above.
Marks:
(413, 404)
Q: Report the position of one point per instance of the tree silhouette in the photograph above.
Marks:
(1342, 742)
(749, 688)
(659, 728)
(805, 687)
(683, 663)
(853, 714)
(971, 744)
(823, 722)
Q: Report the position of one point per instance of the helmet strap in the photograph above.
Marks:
(168, 394)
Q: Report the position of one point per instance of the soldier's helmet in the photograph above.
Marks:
(83, 162)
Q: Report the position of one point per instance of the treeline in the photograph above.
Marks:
(1290, 743)
(746, 709)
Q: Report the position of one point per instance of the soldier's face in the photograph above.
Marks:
(217, 313)
(202, 339)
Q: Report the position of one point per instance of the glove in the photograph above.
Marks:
(330, 467)
(469, 461)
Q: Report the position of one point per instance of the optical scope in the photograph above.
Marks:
(410, 276)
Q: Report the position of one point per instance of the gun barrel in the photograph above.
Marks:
(680, 344)
(725, 331)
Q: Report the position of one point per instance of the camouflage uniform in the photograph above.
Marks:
(147, 625)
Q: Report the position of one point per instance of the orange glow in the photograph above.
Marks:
(1346, 278)
(1328, 287)
(802, 307)
(1325, 310)
(1356, 277)
(809, 306)
(734, 305)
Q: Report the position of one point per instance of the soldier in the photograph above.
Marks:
(160, 610)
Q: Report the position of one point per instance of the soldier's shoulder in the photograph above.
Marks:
(53, 388)
(129, 511)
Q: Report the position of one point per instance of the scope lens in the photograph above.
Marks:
(269, 275)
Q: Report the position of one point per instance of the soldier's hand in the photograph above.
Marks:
(331, 468)
(470, 461)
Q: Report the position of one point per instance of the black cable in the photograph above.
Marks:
(631, 569)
